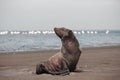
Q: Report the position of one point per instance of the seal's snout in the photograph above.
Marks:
(55, 29)
(58, 32)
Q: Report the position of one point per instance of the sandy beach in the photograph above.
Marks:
(98, 63)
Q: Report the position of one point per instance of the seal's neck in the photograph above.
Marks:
(70, 46)
(70, 42)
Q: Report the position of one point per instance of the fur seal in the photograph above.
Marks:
(64, 61)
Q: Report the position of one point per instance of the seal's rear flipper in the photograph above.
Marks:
(40, 69)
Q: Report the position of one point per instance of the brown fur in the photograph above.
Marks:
(66, 60)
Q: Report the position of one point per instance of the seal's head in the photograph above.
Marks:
(64, 33)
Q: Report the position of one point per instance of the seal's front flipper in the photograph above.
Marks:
(66, 72)
(61, 72)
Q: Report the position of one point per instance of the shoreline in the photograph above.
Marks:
(32, 51)
(95, 63)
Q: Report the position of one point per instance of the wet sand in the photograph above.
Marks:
(98, 63)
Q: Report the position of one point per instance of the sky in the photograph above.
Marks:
(47, 14)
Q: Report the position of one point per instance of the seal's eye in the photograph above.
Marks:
(70, 32)
(63, 29)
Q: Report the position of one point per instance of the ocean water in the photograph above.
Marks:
(11, 41)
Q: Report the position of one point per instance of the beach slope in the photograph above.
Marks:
(98, 63)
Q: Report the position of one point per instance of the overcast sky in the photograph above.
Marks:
(47, 14)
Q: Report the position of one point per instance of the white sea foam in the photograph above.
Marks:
(3, 32)
(83, 32)
(107, 32)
